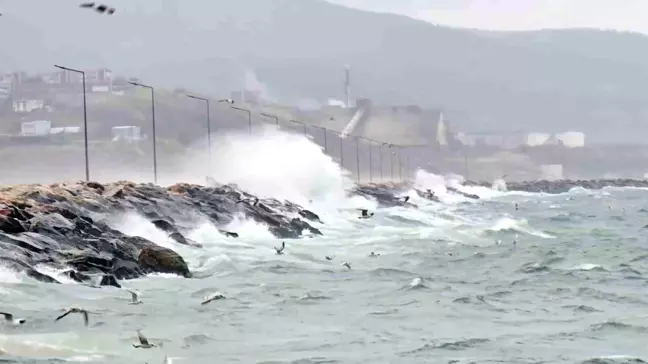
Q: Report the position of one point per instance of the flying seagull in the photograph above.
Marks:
(75, 310)
(329, 257)
(213, 297)
(10, 318)
(365, 214)
(280, 250)
(346, 264)
(100, 8)
(134, 298)
(144, 344)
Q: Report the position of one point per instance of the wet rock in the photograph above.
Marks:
(309, 215)
(466, 195)
(162, 260)
(11, 225)
(115, 192)
(76, 276)
(229, 234)
(96, 186)
(25, 268)
(180, 239)
(109, 280)
(164, 226)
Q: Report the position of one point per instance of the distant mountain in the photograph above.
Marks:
(554, 80)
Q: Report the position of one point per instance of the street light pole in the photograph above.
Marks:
(85, 119)
(272, 117)
(249, 116)
(380, 154)
(209, 142)
(391, 162)
(358, 157)
(153, 117)
(400, 163)
(341, 152)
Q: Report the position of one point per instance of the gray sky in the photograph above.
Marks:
(519, 14)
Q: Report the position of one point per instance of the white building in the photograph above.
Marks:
(537, 139)
(28, 105)
(37, 127)
(571, 139)
(129, 133)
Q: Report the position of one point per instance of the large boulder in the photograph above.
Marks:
(162, 260)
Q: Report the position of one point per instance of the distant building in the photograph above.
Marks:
(128, 133)
(36, 127)
(537, 139)
(24, 106)
(570, 139)
(503, 140)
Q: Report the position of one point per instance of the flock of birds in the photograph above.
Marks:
(98, 7)
(135, 300)
(280, 251)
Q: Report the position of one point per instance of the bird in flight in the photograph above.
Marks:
(213, 297)
(100, 8)
(75, 310)
(144, 343)
(10, 318)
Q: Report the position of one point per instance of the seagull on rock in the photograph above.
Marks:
(134, 298)
(144, 343)
(75, 310)
(213, 297)
(14, 321)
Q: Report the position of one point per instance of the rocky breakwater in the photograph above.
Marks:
(563, 186)
(66, 226)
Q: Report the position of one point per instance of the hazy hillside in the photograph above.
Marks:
(547, 81)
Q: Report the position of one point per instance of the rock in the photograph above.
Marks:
(96, 186)
(229, 234)
(162, 260)
(115, 192)
(109, 280)
(11, 225)
(466, 195)
(76, 276)
(179, 238)
(123, 269)
(25, 268)
(309, 215)
(164, 226)
(300, 225)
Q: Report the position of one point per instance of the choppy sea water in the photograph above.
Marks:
(561, 280)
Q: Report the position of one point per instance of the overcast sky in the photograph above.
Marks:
(519, 14)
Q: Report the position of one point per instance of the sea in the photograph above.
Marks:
(512, 277)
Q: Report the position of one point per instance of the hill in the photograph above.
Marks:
(556, 80)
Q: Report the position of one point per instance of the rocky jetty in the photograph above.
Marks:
(563, 186)
(65, 226)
